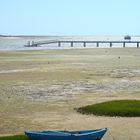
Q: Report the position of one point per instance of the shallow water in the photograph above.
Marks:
(17, 43)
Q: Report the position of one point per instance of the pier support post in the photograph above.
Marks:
(137, 44)
(97, 45)
(84, 44)
(32, 42)
(110, 44)
(59, 44)
(29, 43)
(123, 44)
(71, 44)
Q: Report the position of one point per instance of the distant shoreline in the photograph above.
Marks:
(60, 35)
(24, 35)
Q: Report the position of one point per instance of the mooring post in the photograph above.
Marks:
(84, 44)
(28, 43)
(137, 44)
(110, 44)
(71, 44)
(59, 44)
(123, 44)
(97, 44)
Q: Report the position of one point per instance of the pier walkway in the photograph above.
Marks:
(39, 43)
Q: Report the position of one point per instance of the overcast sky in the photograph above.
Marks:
(70, 17)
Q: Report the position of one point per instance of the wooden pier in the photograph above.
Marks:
(39, 43)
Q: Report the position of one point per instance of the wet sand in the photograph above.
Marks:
(40, 89)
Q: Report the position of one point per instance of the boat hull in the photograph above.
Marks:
(66, 135)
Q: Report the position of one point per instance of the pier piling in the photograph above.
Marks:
(71, 44)
(97, 45)
(123, 44)
(110, 44)
(137, 44)
(59, 44)
(84, 44)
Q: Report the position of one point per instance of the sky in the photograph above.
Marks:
(69, 17)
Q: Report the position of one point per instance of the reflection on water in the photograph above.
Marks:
(17, 43)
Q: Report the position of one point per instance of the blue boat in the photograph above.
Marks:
(95, 134)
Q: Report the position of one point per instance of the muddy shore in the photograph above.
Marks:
(40, 89)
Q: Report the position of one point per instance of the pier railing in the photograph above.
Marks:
(39, 43)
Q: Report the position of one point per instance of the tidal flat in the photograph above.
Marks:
(40, 89)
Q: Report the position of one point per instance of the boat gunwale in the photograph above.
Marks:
(58, 133)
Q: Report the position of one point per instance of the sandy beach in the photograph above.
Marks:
(40, 89)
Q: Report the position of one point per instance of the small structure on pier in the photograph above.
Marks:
(127, 37)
